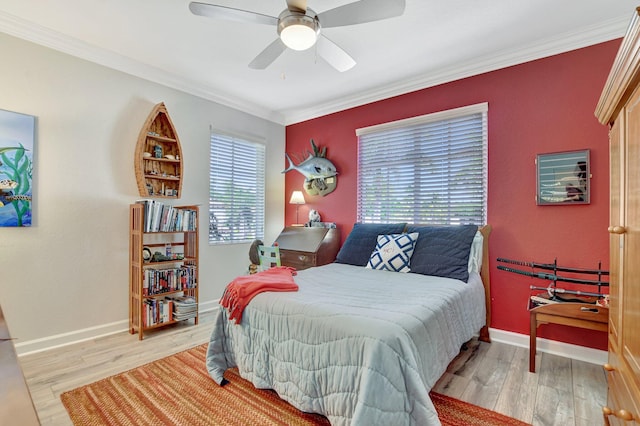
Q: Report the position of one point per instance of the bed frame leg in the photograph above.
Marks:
(484, 334)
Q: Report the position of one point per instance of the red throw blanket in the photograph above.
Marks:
(241, 290)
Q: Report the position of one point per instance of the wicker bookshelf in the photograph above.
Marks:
(158, 286)
(158, 157)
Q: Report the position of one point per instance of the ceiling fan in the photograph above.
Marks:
(299, 27)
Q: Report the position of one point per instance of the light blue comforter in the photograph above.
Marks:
(360, 346)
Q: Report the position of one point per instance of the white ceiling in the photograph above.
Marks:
(435, 41)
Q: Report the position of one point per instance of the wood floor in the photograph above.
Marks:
(495, 376)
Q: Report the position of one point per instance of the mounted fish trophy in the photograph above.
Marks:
(321, 177)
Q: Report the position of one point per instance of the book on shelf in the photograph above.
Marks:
(184, 302)
(167, 311)
(158, 281)
(184, 307)
(161, 217)
(179, 317)
(147, 212)
(157, 311)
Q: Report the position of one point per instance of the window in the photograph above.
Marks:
(430, 169)
(236, 190)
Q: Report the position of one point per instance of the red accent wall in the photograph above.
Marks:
(541, 106)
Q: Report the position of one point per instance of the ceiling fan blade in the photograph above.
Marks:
(231, 14)
(268, 55)
(297, 5)
(360, 12)
(334, 55)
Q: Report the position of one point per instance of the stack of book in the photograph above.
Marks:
(157, 311)
(157, 281)
(160, 217)
(184, 307)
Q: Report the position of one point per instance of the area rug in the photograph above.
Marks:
(177, 390)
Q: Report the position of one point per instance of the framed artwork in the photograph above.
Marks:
(17, 133)
(563, 178)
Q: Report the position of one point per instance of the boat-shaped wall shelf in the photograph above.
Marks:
(158, 158)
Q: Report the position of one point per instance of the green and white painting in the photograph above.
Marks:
(17, 132)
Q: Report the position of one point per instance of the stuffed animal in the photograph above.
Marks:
(314, 216)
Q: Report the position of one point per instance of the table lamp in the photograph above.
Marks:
(297, 198)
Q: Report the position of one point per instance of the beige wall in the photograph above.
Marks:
(66, 277)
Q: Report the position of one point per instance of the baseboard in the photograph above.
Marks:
(90, 333)
(567, 350)
(76, 336)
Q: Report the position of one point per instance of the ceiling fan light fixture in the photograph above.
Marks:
(298, 31)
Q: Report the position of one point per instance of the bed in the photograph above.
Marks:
(360, 345)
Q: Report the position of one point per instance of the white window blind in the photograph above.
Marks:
(236, 190)
(425, 170)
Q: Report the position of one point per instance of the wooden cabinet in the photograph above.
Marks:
(163, 288)
(619, 107)
(158, 157)
(302, 247)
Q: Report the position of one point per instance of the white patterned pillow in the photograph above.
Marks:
(393, 252)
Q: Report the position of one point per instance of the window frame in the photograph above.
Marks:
(412, 134)
(235, 145)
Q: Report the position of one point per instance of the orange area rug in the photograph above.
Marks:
(177, 390)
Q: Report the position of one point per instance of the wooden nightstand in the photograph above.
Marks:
(302, 247)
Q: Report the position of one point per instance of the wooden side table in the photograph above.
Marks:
(583, 315)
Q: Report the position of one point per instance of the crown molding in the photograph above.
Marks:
(18, 27)
(605, 31)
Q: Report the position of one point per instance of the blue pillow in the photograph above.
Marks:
(443, 251)
(361, 242)
(393, 252)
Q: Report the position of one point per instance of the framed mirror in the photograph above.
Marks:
(563, 178)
